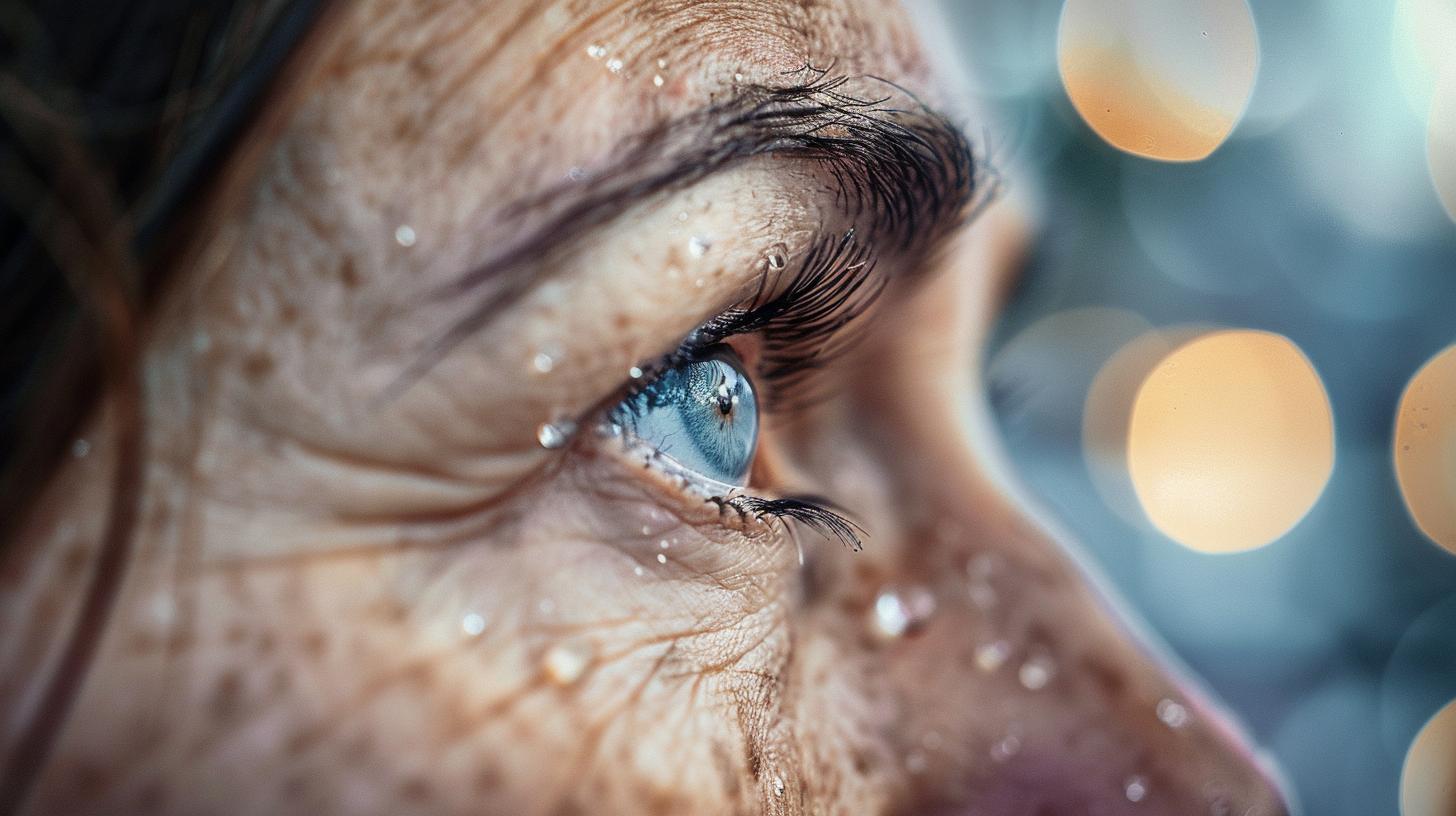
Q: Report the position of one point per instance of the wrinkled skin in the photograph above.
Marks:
(349, 599)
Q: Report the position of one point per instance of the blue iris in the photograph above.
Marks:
(702, 414)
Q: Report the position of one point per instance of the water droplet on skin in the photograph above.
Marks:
(1172, 713)
(647, 529)
(595, 51)
(545, 606)
(916, 763)
(1036, 672)
(472, 624)
(614, 65)
(657, 80)
(543, 362)
(404, 235)
(661, 558)
(553, 435)
(661, 63)
(565, 663)
(635, 373)
(663, 544)
(1006, 748)
(1136, 788)
(777, 257)
(639, 572)
(699, 283)
(575, 174)
(698, 246)
(897, 613)
(682, 216)
(80, 448)
(201, 342)
(738, 77)
(932, 740)
(992, 656)
(778, 786)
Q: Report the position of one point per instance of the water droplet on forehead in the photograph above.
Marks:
(472, 624)
(1135, 787)
(614, 65)
(699, 245)
(553, 435)
(657, 80)
(543, 362)
(638, 571)
(635, 373)
(661, 558)
(404, 235)
(664, 544)
(595, 51)
(565, 663)
(1172, 713)
(661, 63)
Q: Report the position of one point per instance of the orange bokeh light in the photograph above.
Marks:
(1425, 448)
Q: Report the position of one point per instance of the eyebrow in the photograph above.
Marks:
(904, 174)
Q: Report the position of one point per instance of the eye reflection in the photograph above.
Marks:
(703, 414)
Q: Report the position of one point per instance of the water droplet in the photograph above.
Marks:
(664, 544)
(545, 606)
(614, 65)
(661, 63)
(543, 362)
(1172, 713)
(575, 174)
(698, 246)
(777, 257)
(682, 216)
(738, 77)
(647, 529)
(778, 786)
(553, 435)
(932, 740)
(565, 663)
(639, 572)
(992, 656)
(80, 448)
(472, 624)
(661, 558)
(1036, 672)
(635, 373)
(404, 235)
(901, 612)
(595, 51)
(657, 80)
(699, 283)
(916, 763)
(1006, 748)
(201, 342)
(1136, 788)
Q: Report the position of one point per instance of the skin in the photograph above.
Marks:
(348, 598)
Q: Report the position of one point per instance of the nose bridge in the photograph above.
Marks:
(1048, 701)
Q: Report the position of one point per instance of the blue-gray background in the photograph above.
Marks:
(1317, 220)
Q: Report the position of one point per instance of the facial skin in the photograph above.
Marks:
(360, 585)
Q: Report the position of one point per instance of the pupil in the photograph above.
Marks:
(725, 400)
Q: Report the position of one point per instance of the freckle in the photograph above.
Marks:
(315, 644)
(358, 749)
(266, 644)
(257, 365)
(621, 321)
(348, 274)
(74, 561)
(415, 789)
(288, 313)
(235, 634)
(180, 641)
(142, 643)
(227, 696)
(487, 778)
(282, 681)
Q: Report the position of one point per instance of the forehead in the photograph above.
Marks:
(511, 96)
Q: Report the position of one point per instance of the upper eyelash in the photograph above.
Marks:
(801, 323)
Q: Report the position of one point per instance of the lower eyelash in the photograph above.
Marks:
(809, 511)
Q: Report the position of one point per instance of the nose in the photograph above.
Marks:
(1027, 692)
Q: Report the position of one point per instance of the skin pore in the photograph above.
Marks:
(359, 583)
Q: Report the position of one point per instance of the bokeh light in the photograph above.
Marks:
(1425, 448)
(1422, 36)
(1162, 80)
(1441, 140)
(1428, 780)
(1230, 441)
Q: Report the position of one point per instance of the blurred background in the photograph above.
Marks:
(1229, 368)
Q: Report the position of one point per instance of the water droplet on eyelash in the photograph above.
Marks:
(543, 362)
(657, 80)
(614, 65)
(661, 558)
(1135, 788)
(698, 246)
(1036, 672)
(1172, 713)
(472, 624)
(898, 613)
(553, 435)
(777, 257)
(565, 663)
(404, 235)
(992, 656)
(595, 51)
(80, 448)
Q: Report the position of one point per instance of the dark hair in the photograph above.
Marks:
(113, 116)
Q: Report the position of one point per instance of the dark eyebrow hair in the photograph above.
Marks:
(906, 170)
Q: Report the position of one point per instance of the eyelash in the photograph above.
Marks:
(801, 325)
